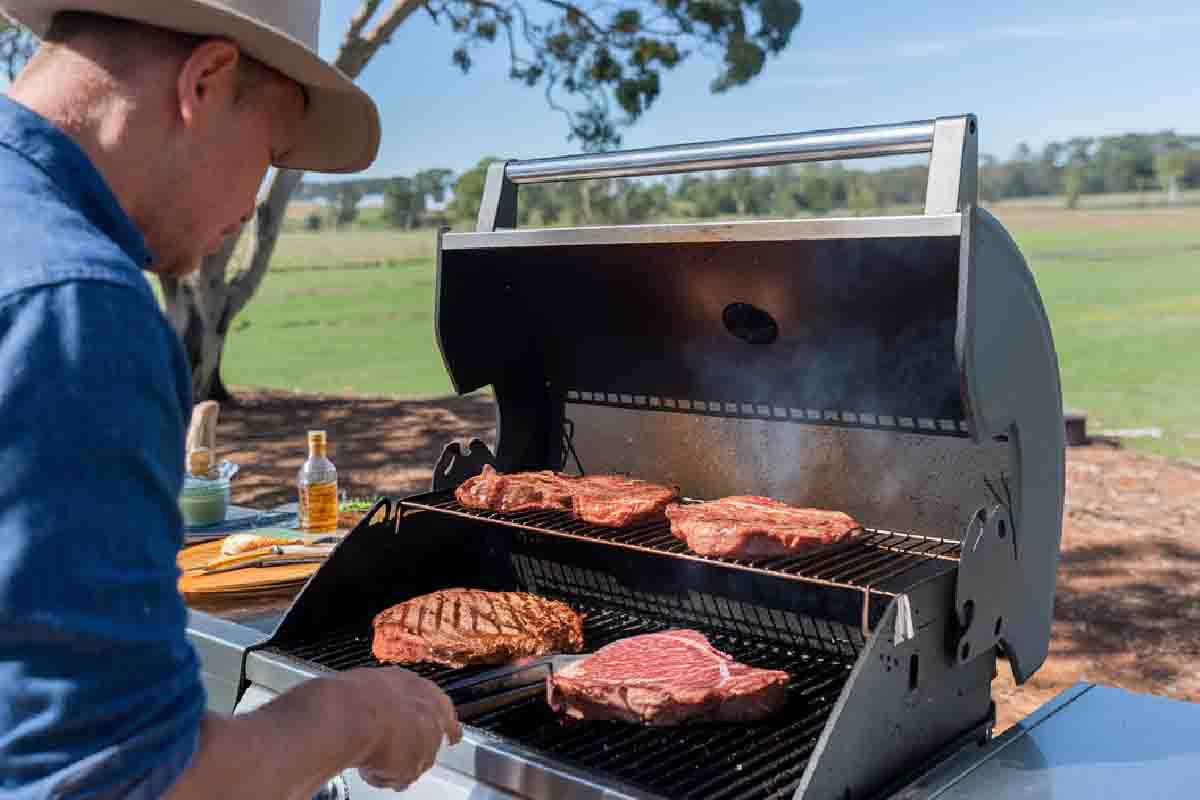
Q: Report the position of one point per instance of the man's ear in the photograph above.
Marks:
(207, 79)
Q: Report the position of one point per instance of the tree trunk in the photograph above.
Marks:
(585, 202)
(202, 306)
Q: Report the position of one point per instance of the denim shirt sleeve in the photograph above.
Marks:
(100, 693)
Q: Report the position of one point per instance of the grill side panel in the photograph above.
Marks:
(905, 702)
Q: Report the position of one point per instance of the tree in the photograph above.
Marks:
(598, 63)
(347, 196)
(818, 193)
(1072, 185)
(404, 199)
(1171, 166)
(862, 196)
(16, 47)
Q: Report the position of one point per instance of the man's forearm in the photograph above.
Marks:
(287, 748)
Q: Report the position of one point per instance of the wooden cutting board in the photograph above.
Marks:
(249, 581)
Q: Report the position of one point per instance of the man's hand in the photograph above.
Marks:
(407, 716)
(387, 722)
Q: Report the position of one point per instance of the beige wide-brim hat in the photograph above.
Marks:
(341, 128)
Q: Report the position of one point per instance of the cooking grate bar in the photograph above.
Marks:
(754, 765)
(859, 562)
(730, 746)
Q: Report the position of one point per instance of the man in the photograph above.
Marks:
(137, 138)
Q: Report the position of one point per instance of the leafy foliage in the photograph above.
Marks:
(611, 58)
(16, 47)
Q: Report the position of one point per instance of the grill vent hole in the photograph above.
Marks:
(1003, 529)
(914, 666)
(750, 323)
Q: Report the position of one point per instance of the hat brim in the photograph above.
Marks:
(341, 129)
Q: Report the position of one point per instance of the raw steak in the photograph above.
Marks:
(619, 502)
(662, 679)
(464, 627)
(610, 500)
(520, 491)
(756, 527)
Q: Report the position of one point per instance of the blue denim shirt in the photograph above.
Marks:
(100, 694)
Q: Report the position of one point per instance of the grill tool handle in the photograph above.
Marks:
(951, 141)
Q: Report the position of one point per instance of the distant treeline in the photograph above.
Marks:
(1165, 162)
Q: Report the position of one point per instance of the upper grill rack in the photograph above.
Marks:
(869, 561)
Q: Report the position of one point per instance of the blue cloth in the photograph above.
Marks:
(100, 694)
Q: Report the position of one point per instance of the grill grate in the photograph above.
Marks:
(721, 762)
(864, 561)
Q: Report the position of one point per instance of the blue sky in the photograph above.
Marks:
(1032, 71)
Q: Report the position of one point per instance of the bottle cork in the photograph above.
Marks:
(200, 462)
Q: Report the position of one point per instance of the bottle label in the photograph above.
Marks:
(319, 508)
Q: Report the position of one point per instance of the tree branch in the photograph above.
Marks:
(357, 50)
(359, 21)
(582, 14)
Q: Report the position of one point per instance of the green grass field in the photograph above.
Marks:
(353, 312)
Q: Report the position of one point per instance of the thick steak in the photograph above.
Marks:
(520, 491)
(662, 679)
(610, 500)
(619, 502)
(756, 527)
(465, 627)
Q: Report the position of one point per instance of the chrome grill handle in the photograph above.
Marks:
(950, 140)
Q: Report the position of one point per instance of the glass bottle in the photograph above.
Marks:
(317, 481)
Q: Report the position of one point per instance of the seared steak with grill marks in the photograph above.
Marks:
(465, 627)
(756, 527)
(610, 500)
(661, 679)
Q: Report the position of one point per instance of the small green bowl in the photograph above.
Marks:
(204, 502)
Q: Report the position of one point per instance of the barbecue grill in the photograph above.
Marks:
(900, 369)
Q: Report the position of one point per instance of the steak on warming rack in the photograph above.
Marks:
(466, 627)
(619, 502)
(661, 679)
(756, 527)
(611, 500)
(521, 491)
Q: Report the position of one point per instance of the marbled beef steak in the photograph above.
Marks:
(662, 679)
(610, 500)
(756, 527)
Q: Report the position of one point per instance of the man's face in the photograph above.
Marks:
(217, 170)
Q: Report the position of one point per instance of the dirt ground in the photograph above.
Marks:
(1127, 610)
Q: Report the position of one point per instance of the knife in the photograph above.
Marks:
(270, 561)
(263, 553)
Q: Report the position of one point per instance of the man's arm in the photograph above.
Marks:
(100, 693)
(388, 723)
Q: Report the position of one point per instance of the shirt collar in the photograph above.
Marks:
(64, 162)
